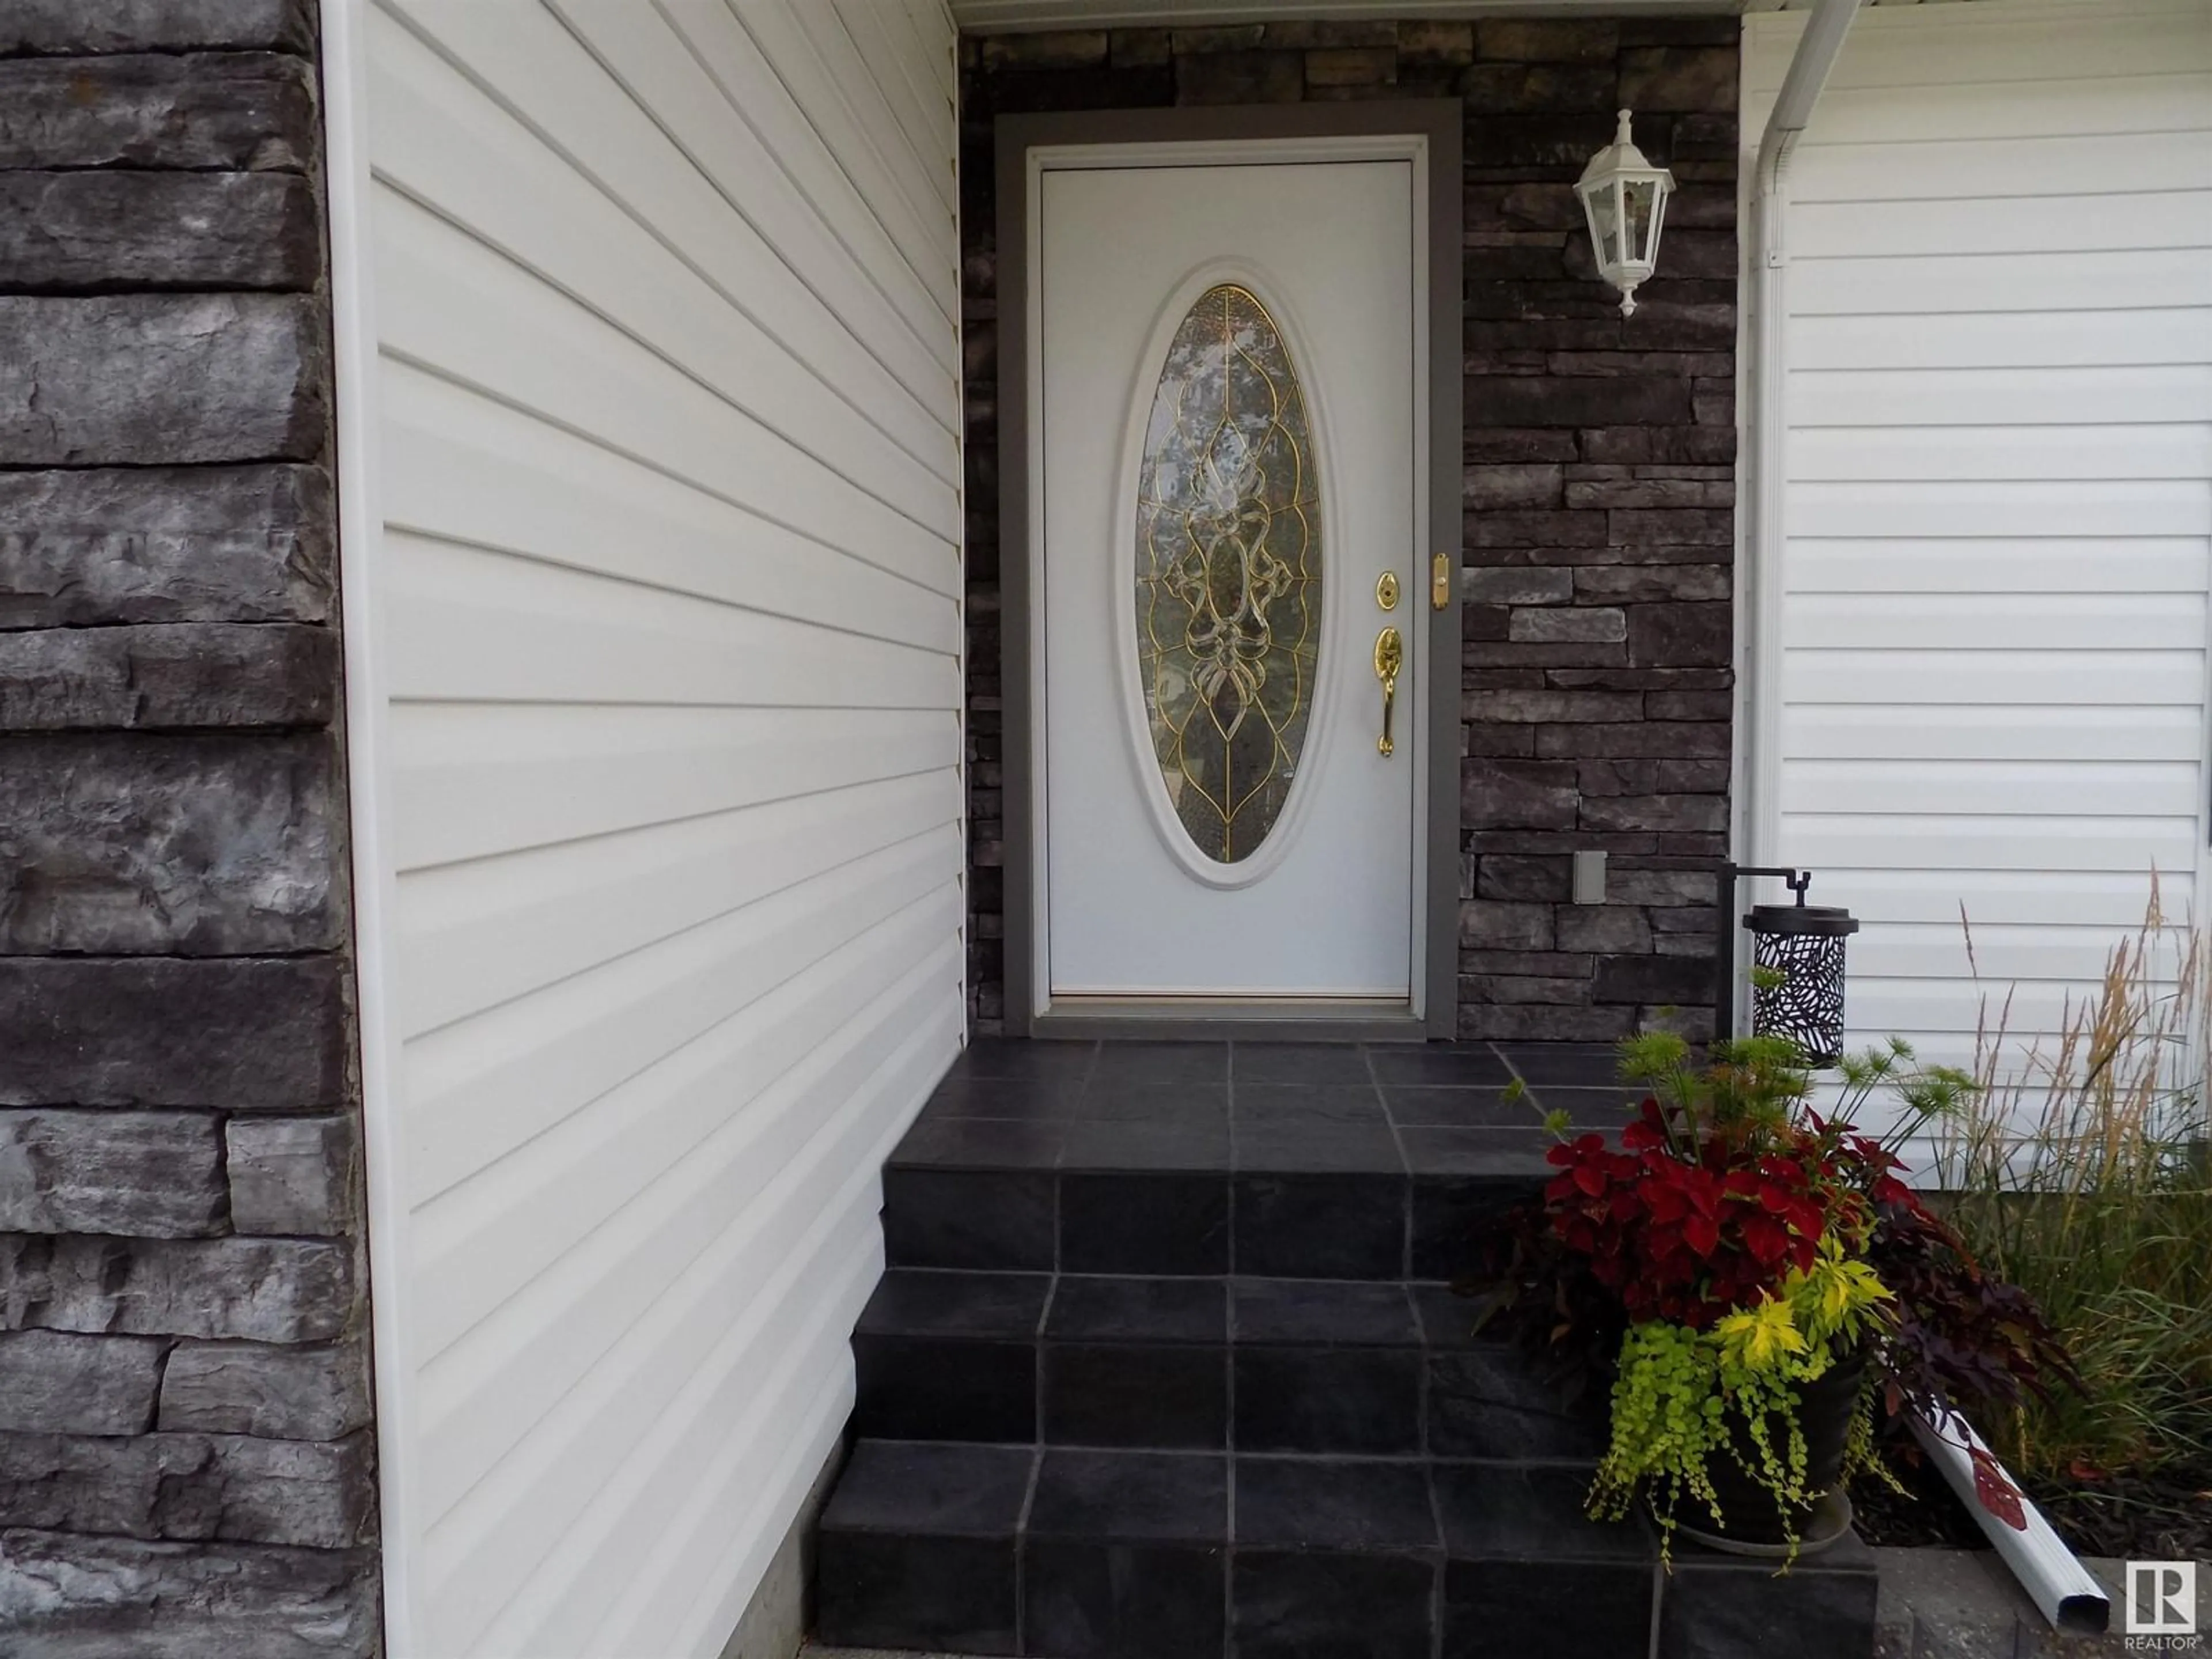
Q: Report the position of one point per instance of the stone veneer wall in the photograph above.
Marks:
(186, 1460)
(1599, 532)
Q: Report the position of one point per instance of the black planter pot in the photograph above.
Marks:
(1749, 1515)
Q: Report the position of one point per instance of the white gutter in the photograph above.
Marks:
(2058, 1583)
(1768, 427)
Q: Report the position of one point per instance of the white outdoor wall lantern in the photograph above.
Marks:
(1625, 200)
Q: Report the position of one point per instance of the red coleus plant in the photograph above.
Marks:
(1699, 1213)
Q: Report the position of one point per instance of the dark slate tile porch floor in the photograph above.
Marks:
(1289, 1160)
(1162, 1365)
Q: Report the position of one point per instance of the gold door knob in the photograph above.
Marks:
(1390, 657)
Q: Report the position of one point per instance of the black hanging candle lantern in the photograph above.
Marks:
(1800, 996)
(1800, 947)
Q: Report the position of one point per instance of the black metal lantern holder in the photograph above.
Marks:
(1804, 944)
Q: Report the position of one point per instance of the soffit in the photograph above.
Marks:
(992, 17)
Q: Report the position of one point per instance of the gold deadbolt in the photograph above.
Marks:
(1440, 581)
(1386, 590)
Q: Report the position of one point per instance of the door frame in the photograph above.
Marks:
(1426, 132)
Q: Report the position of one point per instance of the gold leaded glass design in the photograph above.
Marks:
(1229, 573)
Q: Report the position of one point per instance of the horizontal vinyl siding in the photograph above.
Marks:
(669, 632)
(1999, 494)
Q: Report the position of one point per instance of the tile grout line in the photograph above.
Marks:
(1443, 1548)
(1405, 1166)
(1022, 1551)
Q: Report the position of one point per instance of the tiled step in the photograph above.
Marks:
(1281, 1159)
(1284, 1365)
(1162, 1368)
(1087, 1554)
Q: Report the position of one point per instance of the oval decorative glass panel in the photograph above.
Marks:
(1229, 573)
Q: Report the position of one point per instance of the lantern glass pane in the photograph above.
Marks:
(1642, 204)
(1660, 191)
(1605, 222)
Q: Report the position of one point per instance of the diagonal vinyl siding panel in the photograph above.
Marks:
(591, 222)
(452, 304)
(472, 626)
(727, 1413)
(668, 590)
(724, 141)
(852, 120)
(534, 1348)
(480, 474)
(857, 211)
(482, 1396)
(476, 781)
(1993, 665)
(493, 930)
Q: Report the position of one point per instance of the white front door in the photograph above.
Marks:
(1228, 448)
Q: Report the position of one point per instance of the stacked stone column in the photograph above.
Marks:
(186, 1447)
(1597, 548)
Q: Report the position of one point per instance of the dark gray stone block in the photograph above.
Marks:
(108, 26)
(1053, 49)
(253, 110)
(61, 1382)
(243, 1034)
(67, 1595)
(1655, 980)
(1691, 79)
(1537, 400)
(165, 544)
(294, 1175)
(1537, 880)
(1517, 794)
(277, 1393)
(192, 1486)
(1637, 740)
(1576, 40)
(1603, 929)
(178, 675)
(1553, 707)
(1239, 77)
(1517, 584)
(1656, 812)
(156, 378)
(1653, 777)
(1428, 42)
(191, 846)
(1559, 624)
(1495, 925)
(145, 1175)
(102, 231)
(259, 1289)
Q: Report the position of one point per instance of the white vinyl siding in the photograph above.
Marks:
(669, 626)
(1992, 667)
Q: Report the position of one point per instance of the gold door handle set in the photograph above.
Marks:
(1390, 645)
(1390, 657)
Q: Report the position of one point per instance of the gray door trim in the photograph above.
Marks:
(1436, 119)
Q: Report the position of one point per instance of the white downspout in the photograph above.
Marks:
(1768, 429)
